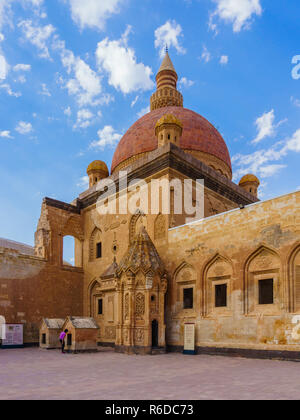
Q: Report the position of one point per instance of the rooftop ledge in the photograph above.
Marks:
(215, 216)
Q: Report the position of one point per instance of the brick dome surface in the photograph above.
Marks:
(198, 134)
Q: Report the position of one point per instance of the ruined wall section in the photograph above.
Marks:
(33, 287)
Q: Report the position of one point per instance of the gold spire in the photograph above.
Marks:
(166, 92)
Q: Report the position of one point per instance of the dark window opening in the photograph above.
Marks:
(115, 248)
(69, 340)
(152, 298)
(188, 298)
(43, 338)
(221, 295)
(99, 250)
(169, 137)
(266, 292)
(100, 307)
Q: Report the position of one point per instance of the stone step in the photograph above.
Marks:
(158, 350)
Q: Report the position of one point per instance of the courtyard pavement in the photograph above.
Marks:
(40, 374)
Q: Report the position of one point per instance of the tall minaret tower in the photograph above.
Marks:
(166, 92)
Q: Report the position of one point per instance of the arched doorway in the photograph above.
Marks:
(154, 333)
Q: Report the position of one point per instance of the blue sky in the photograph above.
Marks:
(74, 76)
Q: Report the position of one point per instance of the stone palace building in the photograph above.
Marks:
(235, 273)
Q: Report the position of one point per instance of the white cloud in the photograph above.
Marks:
(24, 128)
(84, 118)
(185, 83)
(5, 134)
(265, 126)
(93, 13)
(295, 101)
(262, 161)
(107, 137)
(224, 60)
(4, 67)
(206, 55)
(237, 12)
(120, 63)
(85, 84)
(68, 111)
(45, 90)
(169, 35)
(83, 182)
(143, 111)
(134, 101)
(293, 144)
(22, 67)
(270, 170)
(9, 90)
(20, 79)
(38, 36)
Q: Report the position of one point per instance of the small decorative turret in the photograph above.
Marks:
(166, 92)
(168, 129)
(250, 183)
(96, 171)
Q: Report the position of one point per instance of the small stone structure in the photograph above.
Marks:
(49, 333)
(82, 334)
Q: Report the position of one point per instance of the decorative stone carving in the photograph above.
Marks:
(126, 307)
(139, 335)
(220, 268)
(140, 306)
(264, 261)
(159, 227)
(186, 274)
(110, 333)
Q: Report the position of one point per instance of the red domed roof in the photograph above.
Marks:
(198, 134)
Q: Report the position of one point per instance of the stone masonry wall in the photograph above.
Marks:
(31, 288)
(238, 248)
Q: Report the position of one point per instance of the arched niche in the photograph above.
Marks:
(137, 221)
(94, 292)
(217, 284)
(95, 240)
(263, 282)
(160, 227)
(294, 280)
(184, 295)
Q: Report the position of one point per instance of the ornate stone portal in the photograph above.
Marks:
(141, 288)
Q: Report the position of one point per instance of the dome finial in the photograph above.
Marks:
(166, 80)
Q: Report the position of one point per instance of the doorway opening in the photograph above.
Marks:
(154, 333)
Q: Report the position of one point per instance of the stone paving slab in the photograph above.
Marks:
(43, 374)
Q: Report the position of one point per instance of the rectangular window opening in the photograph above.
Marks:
(99, 250)
(266, 292)
(43, 338)
(188, 298)
(221, 295)
(100, 307)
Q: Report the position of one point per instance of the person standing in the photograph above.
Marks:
(62, 340)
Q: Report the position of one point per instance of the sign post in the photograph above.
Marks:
(189, 339)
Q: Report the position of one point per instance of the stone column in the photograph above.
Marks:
(130, 290)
